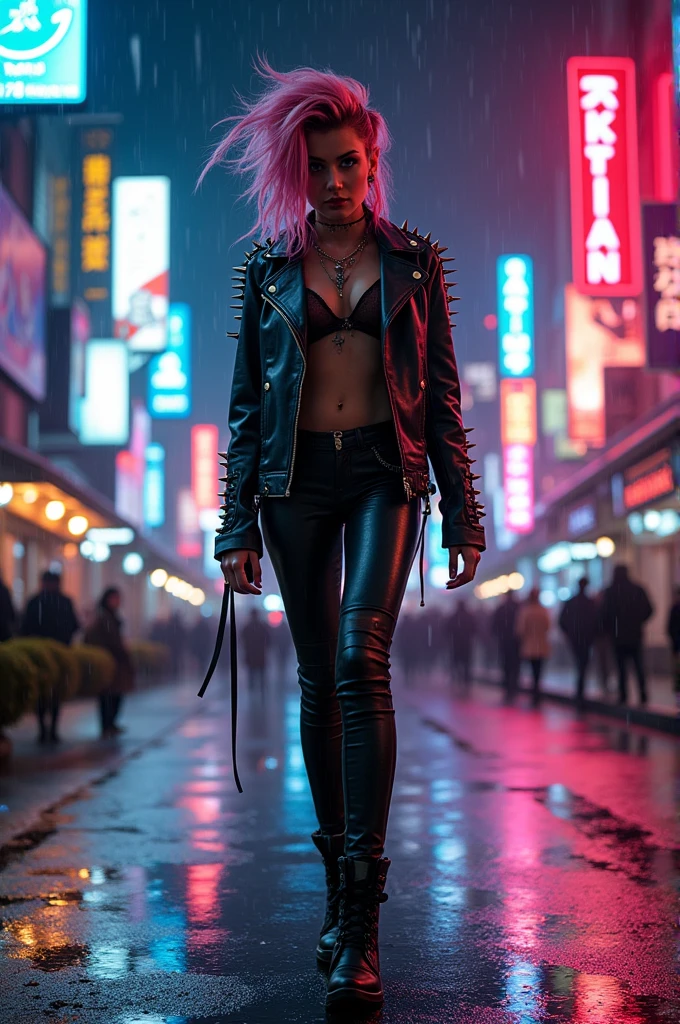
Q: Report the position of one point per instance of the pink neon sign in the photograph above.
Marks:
(605, 191)
(518, 487)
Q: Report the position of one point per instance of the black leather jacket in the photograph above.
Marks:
(420, 370)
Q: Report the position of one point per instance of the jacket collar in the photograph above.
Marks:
(396, 271)
(389, 237)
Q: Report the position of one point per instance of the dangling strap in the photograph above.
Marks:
(227, 605)
(426, 513)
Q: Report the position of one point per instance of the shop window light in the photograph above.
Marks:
(6, 494)
(55, 510)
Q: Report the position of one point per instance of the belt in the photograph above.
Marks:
(228, 607)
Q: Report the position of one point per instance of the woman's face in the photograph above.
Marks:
(338, 169)
(113, 602)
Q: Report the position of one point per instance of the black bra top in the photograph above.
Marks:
(366, 315)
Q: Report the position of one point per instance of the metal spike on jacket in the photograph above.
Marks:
(420, 372)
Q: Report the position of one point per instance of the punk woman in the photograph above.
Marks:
(344, 383)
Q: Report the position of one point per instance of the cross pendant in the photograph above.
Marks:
(338, 341)
(339, 278)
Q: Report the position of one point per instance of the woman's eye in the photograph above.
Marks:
(350, 160)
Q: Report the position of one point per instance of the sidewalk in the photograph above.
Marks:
(558, 685)
(38, 777)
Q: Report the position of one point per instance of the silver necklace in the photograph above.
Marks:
(339, 262)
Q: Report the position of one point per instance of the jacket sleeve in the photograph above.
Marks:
(447, 444)
(239, 527)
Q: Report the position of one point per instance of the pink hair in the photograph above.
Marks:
(272, 131)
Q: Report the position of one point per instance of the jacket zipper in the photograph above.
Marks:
(407, 487)
(293, 331)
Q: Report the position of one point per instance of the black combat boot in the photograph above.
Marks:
(330, 848)
(354, 975)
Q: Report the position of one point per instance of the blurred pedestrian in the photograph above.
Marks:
(410, 637)
(625, 609)
(579, 622)
(177, 641)
(106, 631)
(7, 613)
(50, 614)
(673, 630)
(462, 629)
(503, 624)
(200, 637)
(257, 644)
(532, 628)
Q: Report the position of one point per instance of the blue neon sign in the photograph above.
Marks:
(170, 371)
(43, 51)
(515, 276)
(154, 485)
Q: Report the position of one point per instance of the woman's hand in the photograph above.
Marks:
(239, 566)
(470, 558)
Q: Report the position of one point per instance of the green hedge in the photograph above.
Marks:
(18, 684)
(56, 666)
(149, 659)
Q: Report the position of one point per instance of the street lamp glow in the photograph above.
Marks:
(158, 578)
(55, 510)
(77, 525)
(6, 494)
(605, 547)
(196, 597)
(30, 495)
(133, 563)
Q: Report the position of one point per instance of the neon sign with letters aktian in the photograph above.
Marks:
(605, 192)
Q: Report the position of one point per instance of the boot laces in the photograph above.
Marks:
(358, 914)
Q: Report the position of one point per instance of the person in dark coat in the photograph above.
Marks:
(257, 644)
(673, 631)
(106, 632)
(462, 629)
(625, 609)
(50, 614)
(7, 613)
(579, 621)
(503, 625)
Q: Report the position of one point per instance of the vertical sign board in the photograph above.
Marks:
(92, 224)
(515, 279)
(662, 285)
(43, 52)
(105, 410)
(518, 411)
(169, 395)
(141, 254)
(599, 333)
(605, 191)
(204, 465)
(189, 537)
(154, 486)
(518, 483)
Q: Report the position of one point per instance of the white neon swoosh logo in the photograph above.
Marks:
(62, 19)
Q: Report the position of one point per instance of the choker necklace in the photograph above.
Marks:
(336, 227)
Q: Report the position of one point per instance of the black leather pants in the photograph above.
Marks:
(346, 716)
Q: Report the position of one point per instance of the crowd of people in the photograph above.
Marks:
(604, 632)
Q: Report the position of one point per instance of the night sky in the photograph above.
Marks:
(473, 92)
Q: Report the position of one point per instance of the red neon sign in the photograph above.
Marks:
(518, 487)
(204, 464)
(605, 191)
(665, 139)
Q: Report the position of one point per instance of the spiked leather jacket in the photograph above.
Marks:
(420, 371)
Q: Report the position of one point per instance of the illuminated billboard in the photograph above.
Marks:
(92, 223)
(518, 487)
(605, 191)
(189, 536)
(204, 466)
(154, 485)
(515, 280)
(518, 411)
(170, 372)
(141, 262)
(105, 410)
(662, 285)
(43, 50)
(599, 333)
(22, 300)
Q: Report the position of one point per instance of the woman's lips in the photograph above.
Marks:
(336, 202)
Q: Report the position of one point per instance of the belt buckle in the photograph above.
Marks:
(337, 437)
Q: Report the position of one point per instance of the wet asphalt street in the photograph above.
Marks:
(534, 876)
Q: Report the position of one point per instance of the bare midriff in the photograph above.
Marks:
(346, 388)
